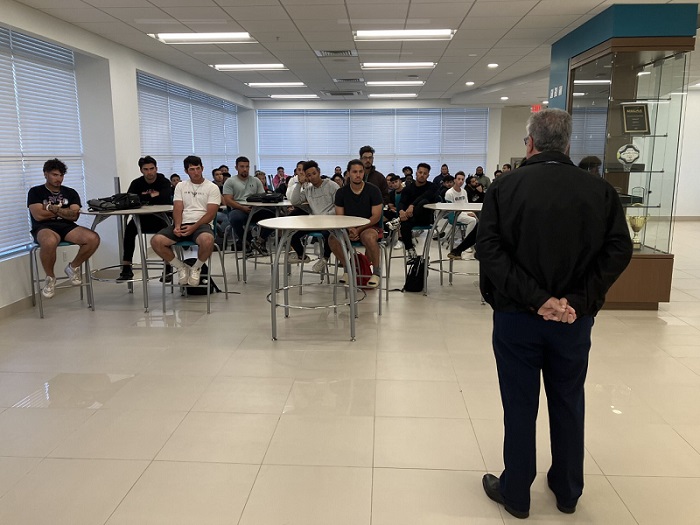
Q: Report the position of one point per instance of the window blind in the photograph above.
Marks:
(39, 120)
(588, 133)
(176, 121)
(400, 137)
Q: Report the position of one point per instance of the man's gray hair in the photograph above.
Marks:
(550, 130)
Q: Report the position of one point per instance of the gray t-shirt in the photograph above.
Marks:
(241, 189)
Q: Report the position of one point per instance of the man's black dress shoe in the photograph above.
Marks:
(560, 507)
(492, 487)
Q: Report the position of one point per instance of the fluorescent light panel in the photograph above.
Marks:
(294, 96)
(590, 82)
(393, 95)
(404, 34)
(398, 65)
(249, 67)
(203, 38)
(274, 84)
(394, 83)
(470, 83)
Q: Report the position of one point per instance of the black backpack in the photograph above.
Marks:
(191, 290)
(414, 278)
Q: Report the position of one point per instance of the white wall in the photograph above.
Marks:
(688, 193)
(512, 132)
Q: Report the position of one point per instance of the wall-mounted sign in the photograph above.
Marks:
(635, 118)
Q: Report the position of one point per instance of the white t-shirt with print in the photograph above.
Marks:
(195, 198)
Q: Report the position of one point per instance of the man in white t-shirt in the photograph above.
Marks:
(195, 204)
(458, 195)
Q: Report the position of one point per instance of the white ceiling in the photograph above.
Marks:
(516, 34)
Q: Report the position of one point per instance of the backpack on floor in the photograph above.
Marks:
(364, 269)
(414, 278)
(192, 290)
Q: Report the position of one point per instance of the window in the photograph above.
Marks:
(39, 120)
(400, 137)
(588, 133)
(176, 121)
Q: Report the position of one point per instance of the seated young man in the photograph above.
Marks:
(360, 199)
(458, 195)
(54, 208)
(319, 195)
(412, 211)
(195, 205)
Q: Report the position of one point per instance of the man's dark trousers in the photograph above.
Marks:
(524, 345)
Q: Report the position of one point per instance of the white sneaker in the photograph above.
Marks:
(373, 281)
(195, 274)
(49, 288)
(74, 275)
(320, 265)
(393, 224)
(345, 278)
(295, 259)
(183, 275)
(398, 245)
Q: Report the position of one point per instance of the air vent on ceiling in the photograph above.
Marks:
(342, 53)
(348, 80)
(342, 93)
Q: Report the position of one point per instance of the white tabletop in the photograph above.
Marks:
(314, 222)
(455, 206)
(143, 210)
(266, 204)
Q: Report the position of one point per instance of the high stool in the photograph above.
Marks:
(36, 280)
(178, 246)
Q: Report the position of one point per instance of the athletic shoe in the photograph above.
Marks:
(183, 275)
(74, 275)
(454, 256)
(438, 236)
(295, 259)
(345, 278)
(373, 281)
(126, 275)
(49, 288)
(470, 249)
(320, 265)
(195, 274)
(398, 245)
(259, 245)
(411, 254)
(393, 224)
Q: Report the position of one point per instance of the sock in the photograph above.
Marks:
(177, 263)
(198, 264)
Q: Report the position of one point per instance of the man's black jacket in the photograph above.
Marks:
(550, 229)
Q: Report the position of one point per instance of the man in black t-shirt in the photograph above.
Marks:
(54, 208)
(152, 188)
(360, 199)
(411, 208)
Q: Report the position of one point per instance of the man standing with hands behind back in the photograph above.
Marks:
(552, 240)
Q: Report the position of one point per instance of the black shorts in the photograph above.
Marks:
(61, 228)
(170, 234)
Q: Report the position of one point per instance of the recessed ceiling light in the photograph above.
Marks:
(590, 82)
(395, 83)
(398, 65)
(545, 102)
(294, 96)
(274, 84)
(504, 98)
(470, 83)
(404, 34)
(642, 73)
(249, 67)
(578, 94)
(392, 95)
(203, 38)
(492, 66)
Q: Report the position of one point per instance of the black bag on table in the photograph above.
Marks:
(118, 201)
(191, 290)
(265, 197)
(414, 278)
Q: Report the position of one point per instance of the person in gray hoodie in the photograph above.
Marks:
(319, 196)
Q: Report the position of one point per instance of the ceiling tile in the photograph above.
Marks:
(257, 12)
(88, 14)
(498, 8)
(453, 10)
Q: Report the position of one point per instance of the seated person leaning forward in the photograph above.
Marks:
(195, 205)
(412, 211)
(360, 199)
(236, 190)
(54, 208)
(152, 188)
(319, 195)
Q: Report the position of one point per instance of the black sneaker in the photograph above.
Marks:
(260, 246)
(126, 275)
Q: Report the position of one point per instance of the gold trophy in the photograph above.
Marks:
(637, 222)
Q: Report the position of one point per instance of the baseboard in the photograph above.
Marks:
(688, 218)
(16, 307)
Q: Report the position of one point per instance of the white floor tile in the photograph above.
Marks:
(420, 399)
(332, 397)
(253, 395)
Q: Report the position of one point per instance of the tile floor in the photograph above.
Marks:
(120, 417)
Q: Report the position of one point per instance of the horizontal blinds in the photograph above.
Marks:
(588, 133)
(39, 119)
(457, 137)
(176, 121)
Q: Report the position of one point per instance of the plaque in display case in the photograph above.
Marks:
(635, 118)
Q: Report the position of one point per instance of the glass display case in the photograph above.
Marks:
(627, 109)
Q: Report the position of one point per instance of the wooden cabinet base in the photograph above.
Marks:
(644, 284)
